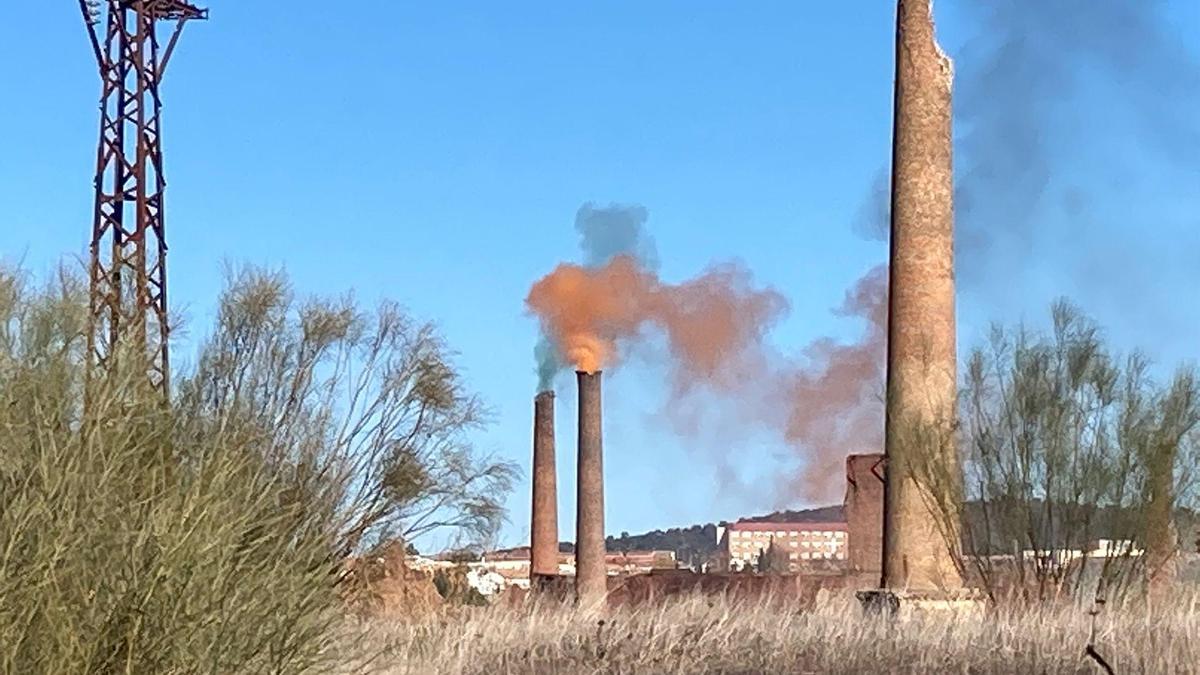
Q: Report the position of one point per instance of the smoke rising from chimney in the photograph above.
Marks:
(709, 321)
(604, 234)
(823, 403)
(1034, 153)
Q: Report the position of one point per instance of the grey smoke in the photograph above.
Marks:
(548, 363)
(1050, 92)
(605, 232)
(1077, 136)
(613, 230)
(873, 219)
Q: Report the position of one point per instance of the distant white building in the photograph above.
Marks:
(427, 565)
(487, 582)
(1113, 548)
(1097, 548)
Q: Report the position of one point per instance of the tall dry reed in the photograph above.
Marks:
(712, 635)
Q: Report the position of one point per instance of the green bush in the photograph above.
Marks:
(142, 539)
(208, 533)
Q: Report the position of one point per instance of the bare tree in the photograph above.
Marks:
(1167, 436)
(365, 402)
(1064, 444)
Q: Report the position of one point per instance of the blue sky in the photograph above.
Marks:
(436, 153)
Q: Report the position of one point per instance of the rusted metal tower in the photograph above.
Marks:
(128, 246)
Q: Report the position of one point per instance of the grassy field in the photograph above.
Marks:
(709, 635)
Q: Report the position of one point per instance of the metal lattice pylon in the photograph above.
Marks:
(128, 271)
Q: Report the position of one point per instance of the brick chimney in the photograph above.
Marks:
(591, 573)
(921, 361)
(543, 527)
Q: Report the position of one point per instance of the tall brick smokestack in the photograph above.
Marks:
(543, 528)
(591, 574)
(921, 361)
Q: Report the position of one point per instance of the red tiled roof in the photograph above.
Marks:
(787, 527)
(642, 556)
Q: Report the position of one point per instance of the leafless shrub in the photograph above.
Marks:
(369, 399)
(206, 535)
(1064, 444)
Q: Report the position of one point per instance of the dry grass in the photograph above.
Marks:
(710, 635)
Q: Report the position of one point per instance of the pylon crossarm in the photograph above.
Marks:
(166, 57)
(175, 9)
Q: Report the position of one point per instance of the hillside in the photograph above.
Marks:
(823, 514)
(699, 542)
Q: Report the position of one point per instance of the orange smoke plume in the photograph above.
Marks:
(837, 399)
(589, 312)
(585, 311)
(824, 404)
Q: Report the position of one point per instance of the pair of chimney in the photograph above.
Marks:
(591, 575)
